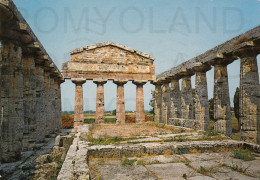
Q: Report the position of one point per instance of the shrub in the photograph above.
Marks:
(243, 154)
(129, 119)
(148, 118)
(67, 121)
(128, 162)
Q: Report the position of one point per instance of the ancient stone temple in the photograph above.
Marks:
(175, 106)
(109, 61)
(30, 99)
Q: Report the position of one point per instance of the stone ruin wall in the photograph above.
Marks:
(245, 47)
(30, 98)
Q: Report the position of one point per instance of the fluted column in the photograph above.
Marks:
(221, 100)
(249, 97)
(201, 99)
(166, 102)
(175, 99)
(186, 99)
(120, 102)
(140, 114)
(29, 103)
(157, 103)
(100, 109)
(47, 100)
(12, 101)
(78, 107)
(40, 104)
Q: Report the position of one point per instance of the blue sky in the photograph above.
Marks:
(172, 31)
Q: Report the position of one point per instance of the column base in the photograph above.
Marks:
(223, 127)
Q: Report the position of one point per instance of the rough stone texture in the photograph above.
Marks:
(120, 102)
(109, 61)
(78, 106)
(52, 98)
(157, 103)
(47, 85)
(100, 109)
(175, 99)
(249, 97)
(166, 103)
(1, 112)
(12, 102)
(222, 114)
(29, 103)
(201, 101)
(59, 106)
(40, 104)
(186, 99)
(140, 114)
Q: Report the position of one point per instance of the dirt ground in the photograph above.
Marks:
(130, 130)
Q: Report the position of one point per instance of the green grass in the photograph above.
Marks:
(243, 154)
(92, 120)
(128, 162)
(109, 140)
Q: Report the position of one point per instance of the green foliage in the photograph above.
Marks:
(105, 140)
(151, 103)
(114, 112)
(236, 105)
(211, 109)
(183, 151)
(89, 120)
(128, 162)
(202, 170)
(140, 162)
(184, 176)
(210, 133)
(243, 154)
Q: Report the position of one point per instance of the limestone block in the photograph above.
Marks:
(120, 102)
(157, 103)
(186, 99)
(100, 109)
(140, 114)
(175, 99)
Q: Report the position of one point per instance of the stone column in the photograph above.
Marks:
(29, 103)
(157, 103)
(12, 101)
(47, 101)
(1, 111)
(41, 112)
(221, 100)
(59, 105)
(140, 114)
(100, 109)
(78, 107)
(249, 97)
(186, 99)
(120, 102)
(166, 102)
(201, 100)
(175, 99)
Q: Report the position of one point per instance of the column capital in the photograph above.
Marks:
(247, 52)
(120, 81)
(78, 80)
(201, 67)
(139, 82)
(100, 81)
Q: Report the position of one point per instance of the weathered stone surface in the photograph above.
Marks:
(166, 103)
(158, 103)
(201, 101)
(222, 114)
(100, 109)
(29, 103)
(1, 112)
(40, 104)
(249, 97)
(12, 101)
(47, 86)
(140, 114)
(186, 99)
(120, 102)
(175, 99)
(78, 106)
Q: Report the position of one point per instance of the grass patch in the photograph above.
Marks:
(210, 133)
(109, 140)
(89, 120)
(183, 151)
(140, 162)
(243, 154)
(128, 162)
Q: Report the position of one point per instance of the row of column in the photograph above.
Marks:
(30, 101)
(171, 102)
(100, 110)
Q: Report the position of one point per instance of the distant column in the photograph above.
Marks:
(40, 104)
(140, 114)
(78, 107)
(186, 99)
(166, 102)
(221, 100)
(201, 98)
(29, 103)
(120, 102)
(12, 101)
(100, 109)
(157, 103)
(175, 99)
(249, 97)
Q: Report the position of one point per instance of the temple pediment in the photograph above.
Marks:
(109, 60)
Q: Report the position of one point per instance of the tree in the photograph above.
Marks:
(211, 109)
(151, 103)
(236, 106)
(114, 112)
